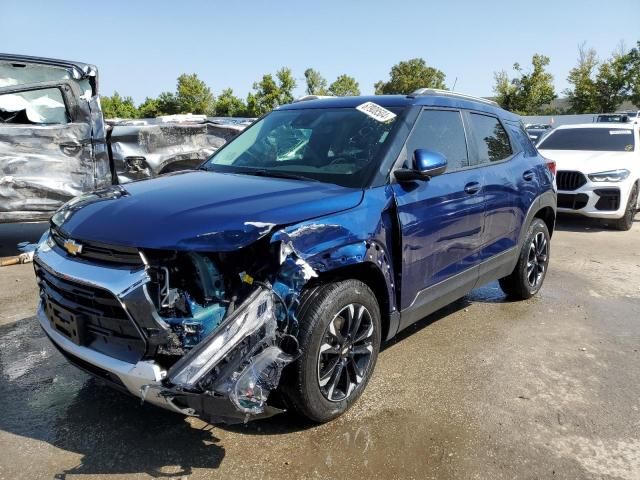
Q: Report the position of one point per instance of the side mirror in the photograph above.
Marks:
(426, 164)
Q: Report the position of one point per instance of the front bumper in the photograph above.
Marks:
(607, 200)
(143, 376)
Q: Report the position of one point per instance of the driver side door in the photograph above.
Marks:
(441, 220)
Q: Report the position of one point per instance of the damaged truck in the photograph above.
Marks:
(55, 143)
(268, 278)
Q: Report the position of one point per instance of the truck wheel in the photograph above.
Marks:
(626, 222)
(531, 269)
(339, 340)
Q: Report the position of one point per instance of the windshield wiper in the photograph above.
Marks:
(275, 173)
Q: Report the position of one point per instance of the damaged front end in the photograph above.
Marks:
(211, 339)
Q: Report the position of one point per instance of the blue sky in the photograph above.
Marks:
(141, 47)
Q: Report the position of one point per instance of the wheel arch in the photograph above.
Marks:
(370, 274)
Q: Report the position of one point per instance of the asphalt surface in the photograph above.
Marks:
(486, 388)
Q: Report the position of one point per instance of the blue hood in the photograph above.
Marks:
(198, 210)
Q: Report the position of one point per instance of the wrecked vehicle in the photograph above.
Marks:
(322, 230)
(55, 143)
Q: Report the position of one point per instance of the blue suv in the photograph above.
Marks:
(282, 263)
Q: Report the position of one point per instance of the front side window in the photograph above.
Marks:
(593, 139)
(490, 138)
(334, 145)
(42, 106)
(441, 131)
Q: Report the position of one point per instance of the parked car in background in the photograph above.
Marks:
(322, 230)
(55, 143)
(619, 117)
(537, 130)
(598, 170)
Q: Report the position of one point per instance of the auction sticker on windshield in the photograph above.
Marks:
(376, 112)
(620, 132)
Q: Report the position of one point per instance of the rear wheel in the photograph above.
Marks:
(530, 271)
(626, 222)
(339, 340)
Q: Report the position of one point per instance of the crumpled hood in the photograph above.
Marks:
(198, 210)
(590, 161)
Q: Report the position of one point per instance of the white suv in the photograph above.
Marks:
(598, 170)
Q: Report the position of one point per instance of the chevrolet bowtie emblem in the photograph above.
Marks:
(72, 247)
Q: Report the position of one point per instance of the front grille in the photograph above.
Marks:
(609, 199)
(567, 180)
(102, 253)
(89, 316)
(572, 201)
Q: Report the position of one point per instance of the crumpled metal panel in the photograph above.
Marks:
(41, 167)
(146, 148)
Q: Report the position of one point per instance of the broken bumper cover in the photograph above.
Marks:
(241, 388)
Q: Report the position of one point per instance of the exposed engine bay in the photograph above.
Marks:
(231, 326)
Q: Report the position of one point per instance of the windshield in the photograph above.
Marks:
(596, 139)
(334, 145)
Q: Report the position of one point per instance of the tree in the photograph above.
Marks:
(344, 86)
(316, 83)
(633, 68)
(167, 104)
(582, 95)
(118, 107)
(529, 92)
(193, 95)
(149, 108)
(612, 83)
(228, 105)
(408, 76)
(269, 93)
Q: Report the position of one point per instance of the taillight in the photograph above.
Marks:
(551, 165)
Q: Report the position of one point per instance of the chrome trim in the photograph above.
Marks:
(119, 282)
(136, 377)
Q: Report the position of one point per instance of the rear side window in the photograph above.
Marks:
(490, 138)
(443, 132)
(594, 139)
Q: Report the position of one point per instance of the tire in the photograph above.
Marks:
(530, 271)
(626, 222)
(309, 385)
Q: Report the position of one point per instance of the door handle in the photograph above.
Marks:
(528, 175)
(472, 188)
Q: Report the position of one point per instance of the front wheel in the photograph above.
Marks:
(530, 271)
(339, 340)
(626, 222)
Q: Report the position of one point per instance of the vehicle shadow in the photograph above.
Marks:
(578, 224)
(46, 399)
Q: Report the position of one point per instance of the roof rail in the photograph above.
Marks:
(448, 93)
(310, 97)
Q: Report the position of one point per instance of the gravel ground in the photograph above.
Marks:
(486, 388)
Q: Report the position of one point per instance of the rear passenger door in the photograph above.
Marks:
(440, 219)
(494, 155)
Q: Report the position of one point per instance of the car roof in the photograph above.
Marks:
(450, 100)
(597, 125)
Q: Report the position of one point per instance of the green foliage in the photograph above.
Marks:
(582, 95)
(316, 83)
(344, 86)
(228, 105)
(633, 73)
(270, 93)
(408, 76)
(602, 86)
(167, 104)
(116, 106)
(149, 108)
(529, 92)
(193, 96)
(611, 83)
